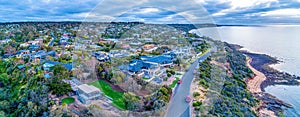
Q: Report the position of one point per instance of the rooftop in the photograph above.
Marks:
(87, 88)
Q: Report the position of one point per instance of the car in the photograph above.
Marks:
(179, 81)
(188, 99)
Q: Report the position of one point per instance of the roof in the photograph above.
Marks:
(88, 89)
(52, 63)
(160, 59)
(137, 65)
(47, 75)
(21, 66)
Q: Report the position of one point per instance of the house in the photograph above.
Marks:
(144, 68)
(49, 64)
(87, 93)
(21, 53)
(24, 44)
(21, 66)
(34, 47)
(149, 48)
(5, 41)
(161, 60)
(64, 39)
(125, 46)
(170, 54)
(182, 51)
(47, 75)
(51, 53)
(119, 54)
(40, 55)
(102, 56)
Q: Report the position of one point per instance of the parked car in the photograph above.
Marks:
(188, 99)
(179, 81)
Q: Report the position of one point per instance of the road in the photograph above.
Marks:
(52, 40)
(177, 106)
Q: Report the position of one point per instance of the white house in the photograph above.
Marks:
(182, 51)
(86, 93)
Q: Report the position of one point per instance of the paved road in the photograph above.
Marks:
(52, 40)
(177, 106)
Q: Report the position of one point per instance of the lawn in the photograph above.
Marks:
(68, 100)
(108, 91)
(145, 78)
(174, 83)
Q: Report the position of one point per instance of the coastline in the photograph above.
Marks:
(265, 76)
(253, 85)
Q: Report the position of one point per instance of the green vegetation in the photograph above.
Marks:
(170, 72)
(202, 47)
(145, 78)
(132, 102)
(197, 103)
(174, 83)
(178, 74)
(23, 93)
(235, 99)
(107, 90)
(68, 100)
(56, 84)
(205, 73)
(196, 94)
(159, 99)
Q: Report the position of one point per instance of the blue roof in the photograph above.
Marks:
(135, 65)
(171, 54)
(145, 57)
(161, 59)
(148, 62)
(67, 66)
(21, 66)
(51, 52)
(47, 75)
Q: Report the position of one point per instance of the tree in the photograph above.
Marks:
(118, 77)
(131, 101)
(57, 86)
(131, 85)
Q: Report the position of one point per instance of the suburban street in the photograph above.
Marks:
(177, 106)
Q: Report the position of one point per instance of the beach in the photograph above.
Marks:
(253, 85)
(269, 105)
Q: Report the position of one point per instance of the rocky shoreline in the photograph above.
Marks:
(261, 63)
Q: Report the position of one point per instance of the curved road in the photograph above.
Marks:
(177, 106)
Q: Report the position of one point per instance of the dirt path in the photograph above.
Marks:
(253, 85)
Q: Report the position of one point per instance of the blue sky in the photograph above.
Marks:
(160, 11)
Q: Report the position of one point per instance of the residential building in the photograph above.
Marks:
(149, 48)
(144, 68)
(182, 51)
(102, 56)
(86, 93)
(49, 64)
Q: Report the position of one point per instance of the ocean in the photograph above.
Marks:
(279, 41)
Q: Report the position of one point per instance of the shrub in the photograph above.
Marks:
(196, 94)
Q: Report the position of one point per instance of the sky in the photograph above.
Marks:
(154, 11)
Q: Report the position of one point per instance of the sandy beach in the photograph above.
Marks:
(253, 85)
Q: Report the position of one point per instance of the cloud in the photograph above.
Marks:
(282, 13)
(254, 11)
(153, 11)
